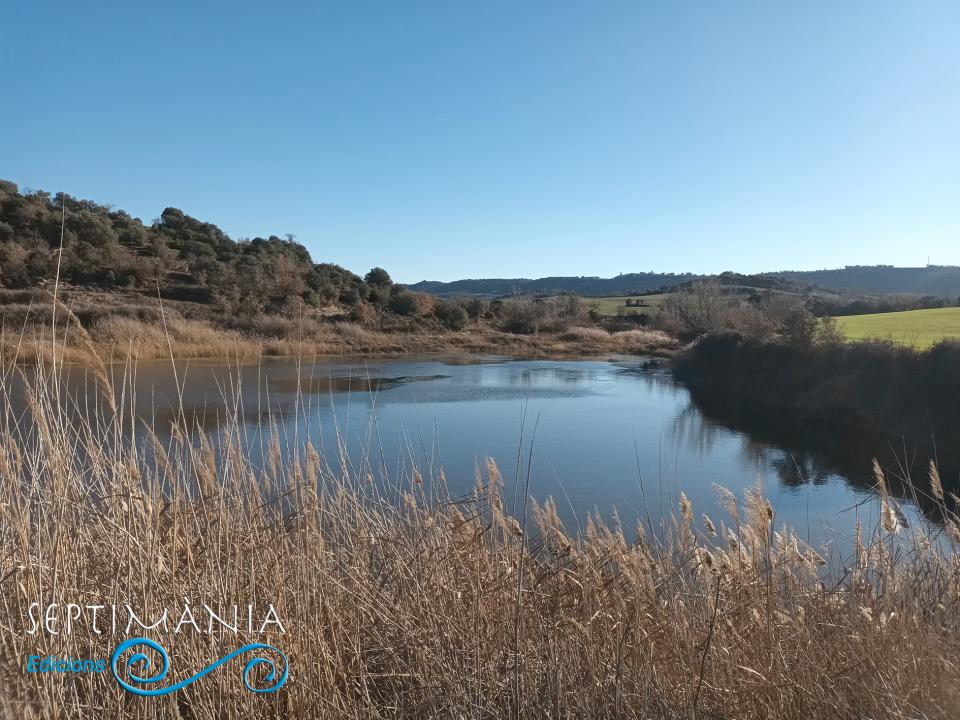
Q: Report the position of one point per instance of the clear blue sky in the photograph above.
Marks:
(500, 139)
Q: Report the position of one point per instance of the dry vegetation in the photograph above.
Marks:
(118, 327)
(401, 602)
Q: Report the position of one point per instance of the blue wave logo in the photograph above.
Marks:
(274, 678)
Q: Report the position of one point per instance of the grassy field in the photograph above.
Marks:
(610, 305)
(919, 328)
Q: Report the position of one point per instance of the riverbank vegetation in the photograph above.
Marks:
(742, 301)
(400, 601)
(878, 385)
(771, 360)
(112, 325)
(828, 391)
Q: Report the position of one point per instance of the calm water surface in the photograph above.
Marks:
(604, 433)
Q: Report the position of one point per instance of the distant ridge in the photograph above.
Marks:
(939, 280)
(619, 285)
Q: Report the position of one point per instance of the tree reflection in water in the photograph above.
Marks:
(815, 453)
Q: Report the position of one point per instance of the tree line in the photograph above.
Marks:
(107, 248)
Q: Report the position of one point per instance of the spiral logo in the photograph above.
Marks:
(274, 678)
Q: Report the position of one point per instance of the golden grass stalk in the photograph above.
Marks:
(411, 607)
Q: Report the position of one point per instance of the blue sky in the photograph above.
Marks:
(502, 139)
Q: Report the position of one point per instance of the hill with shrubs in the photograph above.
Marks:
(133, 286)
(182, 257)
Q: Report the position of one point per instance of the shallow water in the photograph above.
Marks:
(597, 434)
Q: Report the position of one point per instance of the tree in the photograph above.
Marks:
(701, 309)
(522, 315)
(451, 314)
(403, 303)
(379, 277)
(799, 328)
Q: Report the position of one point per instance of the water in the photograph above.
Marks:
(597, 434)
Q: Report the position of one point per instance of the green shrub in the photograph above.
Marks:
(451, 314)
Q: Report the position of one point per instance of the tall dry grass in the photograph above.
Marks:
(117, 337)
(120, 327)
(399, 601)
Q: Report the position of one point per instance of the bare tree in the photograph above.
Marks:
(701, 309)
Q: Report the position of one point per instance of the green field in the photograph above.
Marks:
(920, 328)
(611, 305)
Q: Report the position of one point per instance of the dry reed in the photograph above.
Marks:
(131, 330)
(398, 601)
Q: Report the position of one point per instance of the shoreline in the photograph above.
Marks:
(190, 340)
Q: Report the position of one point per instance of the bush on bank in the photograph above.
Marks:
(877, 384)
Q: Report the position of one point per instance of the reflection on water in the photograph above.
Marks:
(604, 433)
(346, 384)
(815, 453)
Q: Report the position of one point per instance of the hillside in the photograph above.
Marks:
(183, 258)
(624, 284)
(190, 259)
(230, 298)
(939, 281)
